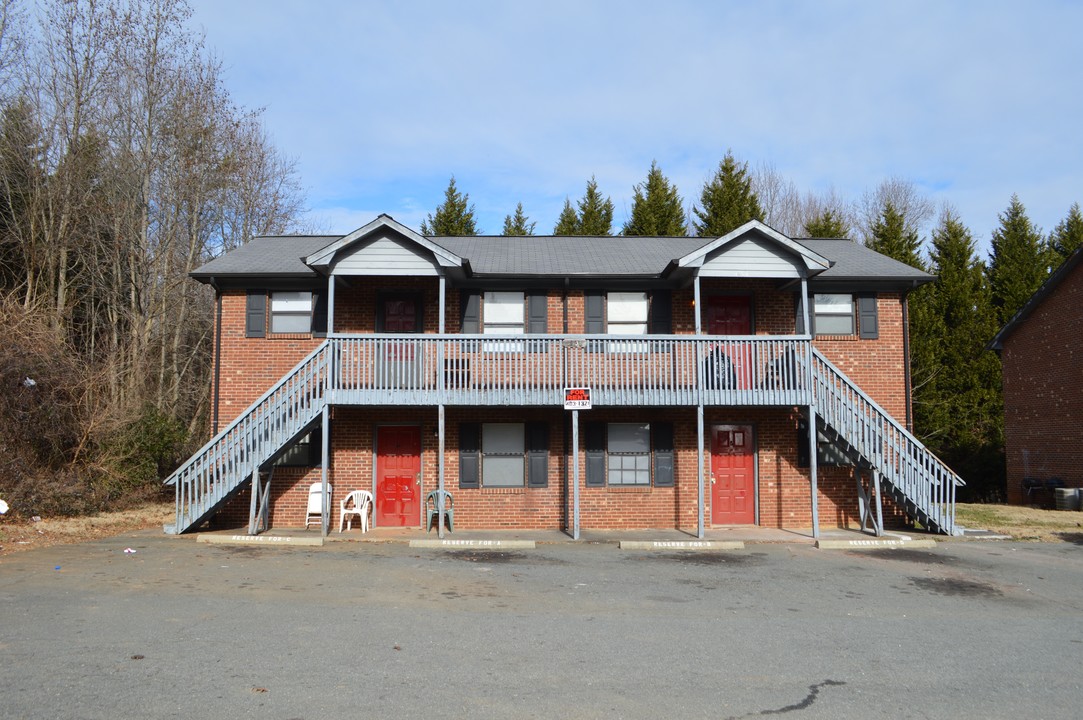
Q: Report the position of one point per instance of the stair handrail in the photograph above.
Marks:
(250, 409)
(932, 470)
(232, 449)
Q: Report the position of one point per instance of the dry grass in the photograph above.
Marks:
(27, 535)
(1022, 522)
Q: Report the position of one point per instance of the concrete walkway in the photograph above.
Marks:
(726, 538)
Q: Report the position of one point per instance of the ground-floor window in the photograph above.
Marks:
(629, 454)
(503, 455)
(307, 451)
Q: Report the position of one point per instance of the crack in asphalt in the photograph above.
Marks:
(813, 693)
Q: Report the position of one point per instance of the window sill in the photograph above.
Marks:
(842, 338)
(633, 489)
(503, 490)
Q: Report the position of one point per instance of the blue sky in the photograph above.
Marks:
(381, 102)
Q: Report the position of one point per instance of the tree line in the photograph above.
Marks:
(957, 396)
(124, 165)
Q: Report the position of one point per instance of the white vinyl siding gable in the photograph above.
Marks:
(385, 256)
(752, 258)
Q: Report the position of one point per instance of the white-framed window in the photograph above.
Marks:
(503, 449)
(503, 313)
(834, 314)
(626, 314)
(629, 453)
(291, 311)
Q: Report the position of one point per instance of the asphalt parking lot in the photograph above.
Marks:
(180, 629)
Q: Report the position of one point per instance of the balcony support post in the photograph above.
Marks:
(330, 305)
(700, 528)
(813, 431)
(440, 469)
(325, 521)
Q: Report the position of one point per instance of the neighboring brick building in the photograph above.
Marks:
(1043, 386)
(396, 363)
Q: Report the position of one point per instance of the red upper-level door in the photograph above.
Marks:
(729, 315)
(399, 315)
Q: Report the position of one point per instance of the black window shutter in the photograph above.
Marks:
(537, 312)
(595, 312)
(469, 455)
(537, 454)
(470, 312)
(255, 324)
(594, 438)
(867, 317)
(661, 312)
(662, 441)
(319, 313)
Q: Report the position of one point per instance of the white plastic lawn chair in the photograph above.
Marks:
(315, 504)
(358, 503)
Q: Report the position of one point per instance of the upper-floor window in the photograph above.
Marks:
(626, 313)
(503, 313)
(291, 311)
(834, 314)
(285, 312)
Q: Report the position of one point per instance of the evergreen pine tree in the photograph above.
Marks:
(826, 224)
(890, 236)
(1068, 234)
(519, 224)
(958, 408)
(1019, 261)
(595, 214)
(657, 208)
(455, 217)
(568, 222)
(728, 200)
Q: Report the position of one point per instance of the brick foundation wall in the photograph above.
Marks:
(1043, 399)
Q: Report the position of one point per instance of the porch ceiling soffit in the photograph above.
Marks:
(796, 256)
(385, 227)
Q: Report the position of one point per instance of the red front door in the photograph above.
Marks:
(399, 315)
(733, 475)
(729, 315)
(398, 476)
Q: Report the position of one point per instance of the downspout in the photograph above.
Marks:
(906, 361)
(217, 357)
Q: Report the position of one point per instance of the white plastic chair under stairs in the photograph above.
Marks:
(358, 503)
(315, 504)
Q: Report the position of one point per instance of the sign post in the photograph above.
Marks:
(576, 399)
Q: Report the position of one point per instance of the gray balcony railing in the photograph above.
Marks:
(534, 370)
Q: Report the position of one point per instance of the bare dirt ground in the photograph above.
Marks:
(1021, 523)
(19, 534)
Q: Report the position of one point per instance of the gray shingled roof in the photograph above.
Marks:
(855, 261)
(280, 256)
(267, 256)
(564, 256)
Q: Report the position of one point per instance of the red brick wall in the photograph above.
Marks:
(877, 366)
(1043, 396)
(784, 491)
(250, 366)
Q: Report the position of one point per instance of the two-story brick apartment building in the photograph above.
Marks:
(391, 362)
